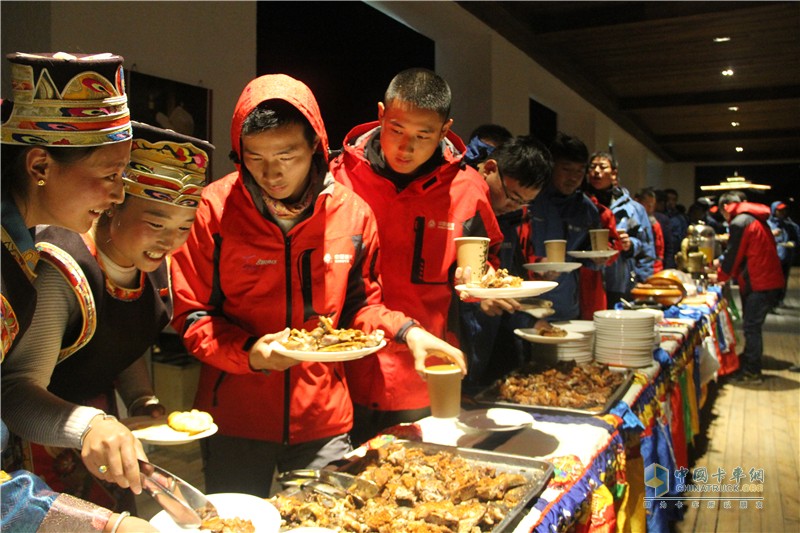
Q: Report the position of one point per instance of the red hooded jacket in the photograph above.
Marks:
(751, 256)
(417, 226)
(238, 276)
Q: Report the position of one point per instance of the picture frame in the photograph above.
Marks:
(170, 104)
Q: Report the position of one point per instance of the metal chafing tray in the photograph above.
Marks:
(490, 397)
(536, 471)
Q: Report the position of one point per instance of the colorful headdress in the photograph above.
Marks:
(67, 100)
(167, 166)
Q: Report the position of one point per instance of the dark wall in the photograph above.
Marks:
(346, 52)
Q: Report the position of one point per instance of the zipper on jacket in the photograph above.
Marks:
(287, 382)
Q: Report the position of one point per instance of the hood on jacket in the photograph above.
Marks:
(759, 211)
(774, 206)
(282, 87)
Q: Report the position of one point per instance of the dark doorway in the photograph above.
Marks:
(346, 52)
(542, 122)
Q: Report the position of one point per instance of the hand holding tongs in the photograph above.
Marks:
(184, 503)
(330, 483)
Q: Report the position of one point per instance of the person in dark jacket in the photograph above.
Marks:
(516, 172)
(633, 224)
(562, 211)
(787, 237)
(751, 258)
(647, 197)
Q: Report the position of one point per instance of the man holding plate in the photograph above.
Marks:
(278, 245)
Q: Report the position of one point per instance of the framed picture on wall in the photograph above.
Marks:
(170, 104)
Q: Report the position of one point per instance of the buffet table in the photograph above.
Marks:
(600, 461)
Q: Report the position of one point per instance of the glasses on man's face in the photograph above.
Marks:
(517, 199)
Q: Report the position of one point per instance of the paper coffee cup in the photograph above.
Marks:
(599, 239)
(444, 389)
(556, 250)
(472, 252)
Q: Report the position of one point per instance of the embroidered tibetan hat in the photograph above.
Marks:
(167, 166)
(62, 99)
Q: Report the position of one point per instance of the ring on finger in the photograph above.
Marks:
(102, 469)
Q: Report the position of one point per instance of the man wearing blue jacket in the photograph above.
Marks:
(633, 224)
(786, 233)
(562, 211)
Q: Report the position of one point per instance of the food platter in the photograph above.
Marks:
(496, 419)
(551, 267)
(527, 289)
(532, 335)
(592, 254)
(264, 516)
(491, 397)
(156, 431)
(537, 473)
(328, 356)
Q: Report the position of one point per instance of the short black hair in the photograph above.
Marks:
(566, 148)
(422, 88)
(730, 197)
(274, 113)
(524, 159)
(647, 192)
(491, 132)
(605, 155)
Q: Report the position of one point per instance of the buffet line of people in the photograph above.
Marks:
(114, 229)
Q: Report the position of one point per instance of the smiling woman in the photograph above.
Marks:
(108, 289)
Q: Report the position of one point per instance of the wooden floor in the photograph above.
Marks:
(756, 426)
(747, 426)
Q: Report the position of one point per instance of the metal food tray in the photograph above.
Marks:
(536, 471)
(490, 397)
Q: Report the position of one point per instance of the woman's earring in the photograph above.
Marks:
(41, 183)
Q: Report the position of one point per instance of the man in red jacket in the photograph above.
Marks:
(408, 166)
(751, 258)
(276, 245)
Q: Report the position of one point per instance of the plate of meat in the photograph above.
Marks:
(326, 344)
(551, 335)
(523, 290)
(500, 284)
(328, 356)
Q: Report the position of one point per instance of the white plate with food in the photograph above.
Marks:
(526, 289)
(157, 431)
(262, 515)
(327, 356)
(592, 254)
(496, 419)
(535, 335)
(545, 266)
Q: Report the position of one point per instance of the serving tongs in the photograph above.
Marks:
(183, 502)
(330, 483)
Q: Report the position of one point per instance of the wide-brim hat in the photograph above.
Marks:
(167, 166)
(62, 99)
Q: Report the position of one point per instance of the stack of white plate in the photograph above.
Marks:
(624, 338)
(579, 350)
